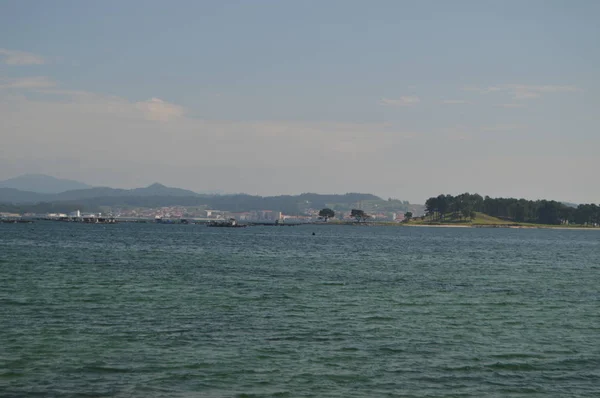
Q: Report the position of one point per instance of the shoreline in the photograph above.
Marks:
(503, 226)
(367, 224)
(450, 225)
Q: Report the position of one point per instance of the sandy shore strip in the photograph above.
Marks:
(503, 226)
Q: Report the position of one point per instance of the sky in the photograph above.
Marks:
(402, 99)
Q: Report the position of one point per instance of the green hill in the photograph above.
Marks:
(480, 219)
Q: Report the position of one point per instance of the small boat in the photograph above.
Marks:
(231, 223)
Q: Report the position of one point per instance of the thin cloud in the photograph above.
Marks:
(154, 109)
(159, 110)
(12, 57)
(524, 91)
(161, 126)
(498, 128)
(32, 82)
(458, 137)
(456, 133)
(467, 133)
(455, 102)
(511, 105)
(402, 101)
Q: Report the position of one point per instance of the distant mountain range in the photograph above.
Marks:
(12, 195)
(158, 195)
(41, 183)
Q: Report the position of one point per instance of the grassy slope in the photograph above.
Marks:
(480, 219)
(486, 220)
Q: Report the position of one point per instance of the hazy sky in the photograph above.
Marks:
(401, 99)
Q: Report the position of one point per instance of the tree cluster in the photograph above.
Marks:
(550, 212)
(462, 206)
(359, 215)
(541, 211)
(586, 214)
(326, 214)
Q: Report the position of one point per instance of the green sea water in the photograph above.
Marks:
(147, 310)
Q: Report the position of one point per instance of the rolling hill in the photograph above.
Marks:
(45, 193)
(12, 195)
(157, 195)
(41, 183)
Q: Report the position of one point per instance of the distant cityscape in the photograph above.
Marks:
(194, 213)
(42, 197)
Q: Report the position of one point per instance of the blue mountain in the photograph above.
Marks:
(41, 183)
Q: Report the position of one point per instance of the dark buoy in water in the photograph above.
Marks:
(313, 234)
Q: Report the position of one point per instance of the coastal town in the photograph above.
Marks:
(161, 204)
(195, 214)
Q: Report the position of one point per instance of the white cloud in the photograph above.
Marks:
(157, 109)
(33, 82)
(12, 57)
(524, 91)
(402, 101)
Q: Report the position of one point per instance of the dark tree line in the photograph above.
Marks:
(462, 206)
(551, 212)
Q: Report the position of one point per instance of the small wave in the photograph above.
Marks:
(558, 365)
(106, 369)
(516, 355)
(463, 368)
(522, 390)
(10, 375)
(274, 394)
(511, 366)
(379, 318)
(345, 378)
(287, 338)
(391, 349)
(173, 331)
(272, 354)
(10, 301)
(569, 363)
(202, 365)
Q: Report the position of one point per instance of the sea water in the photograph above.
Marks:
(144, 310)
